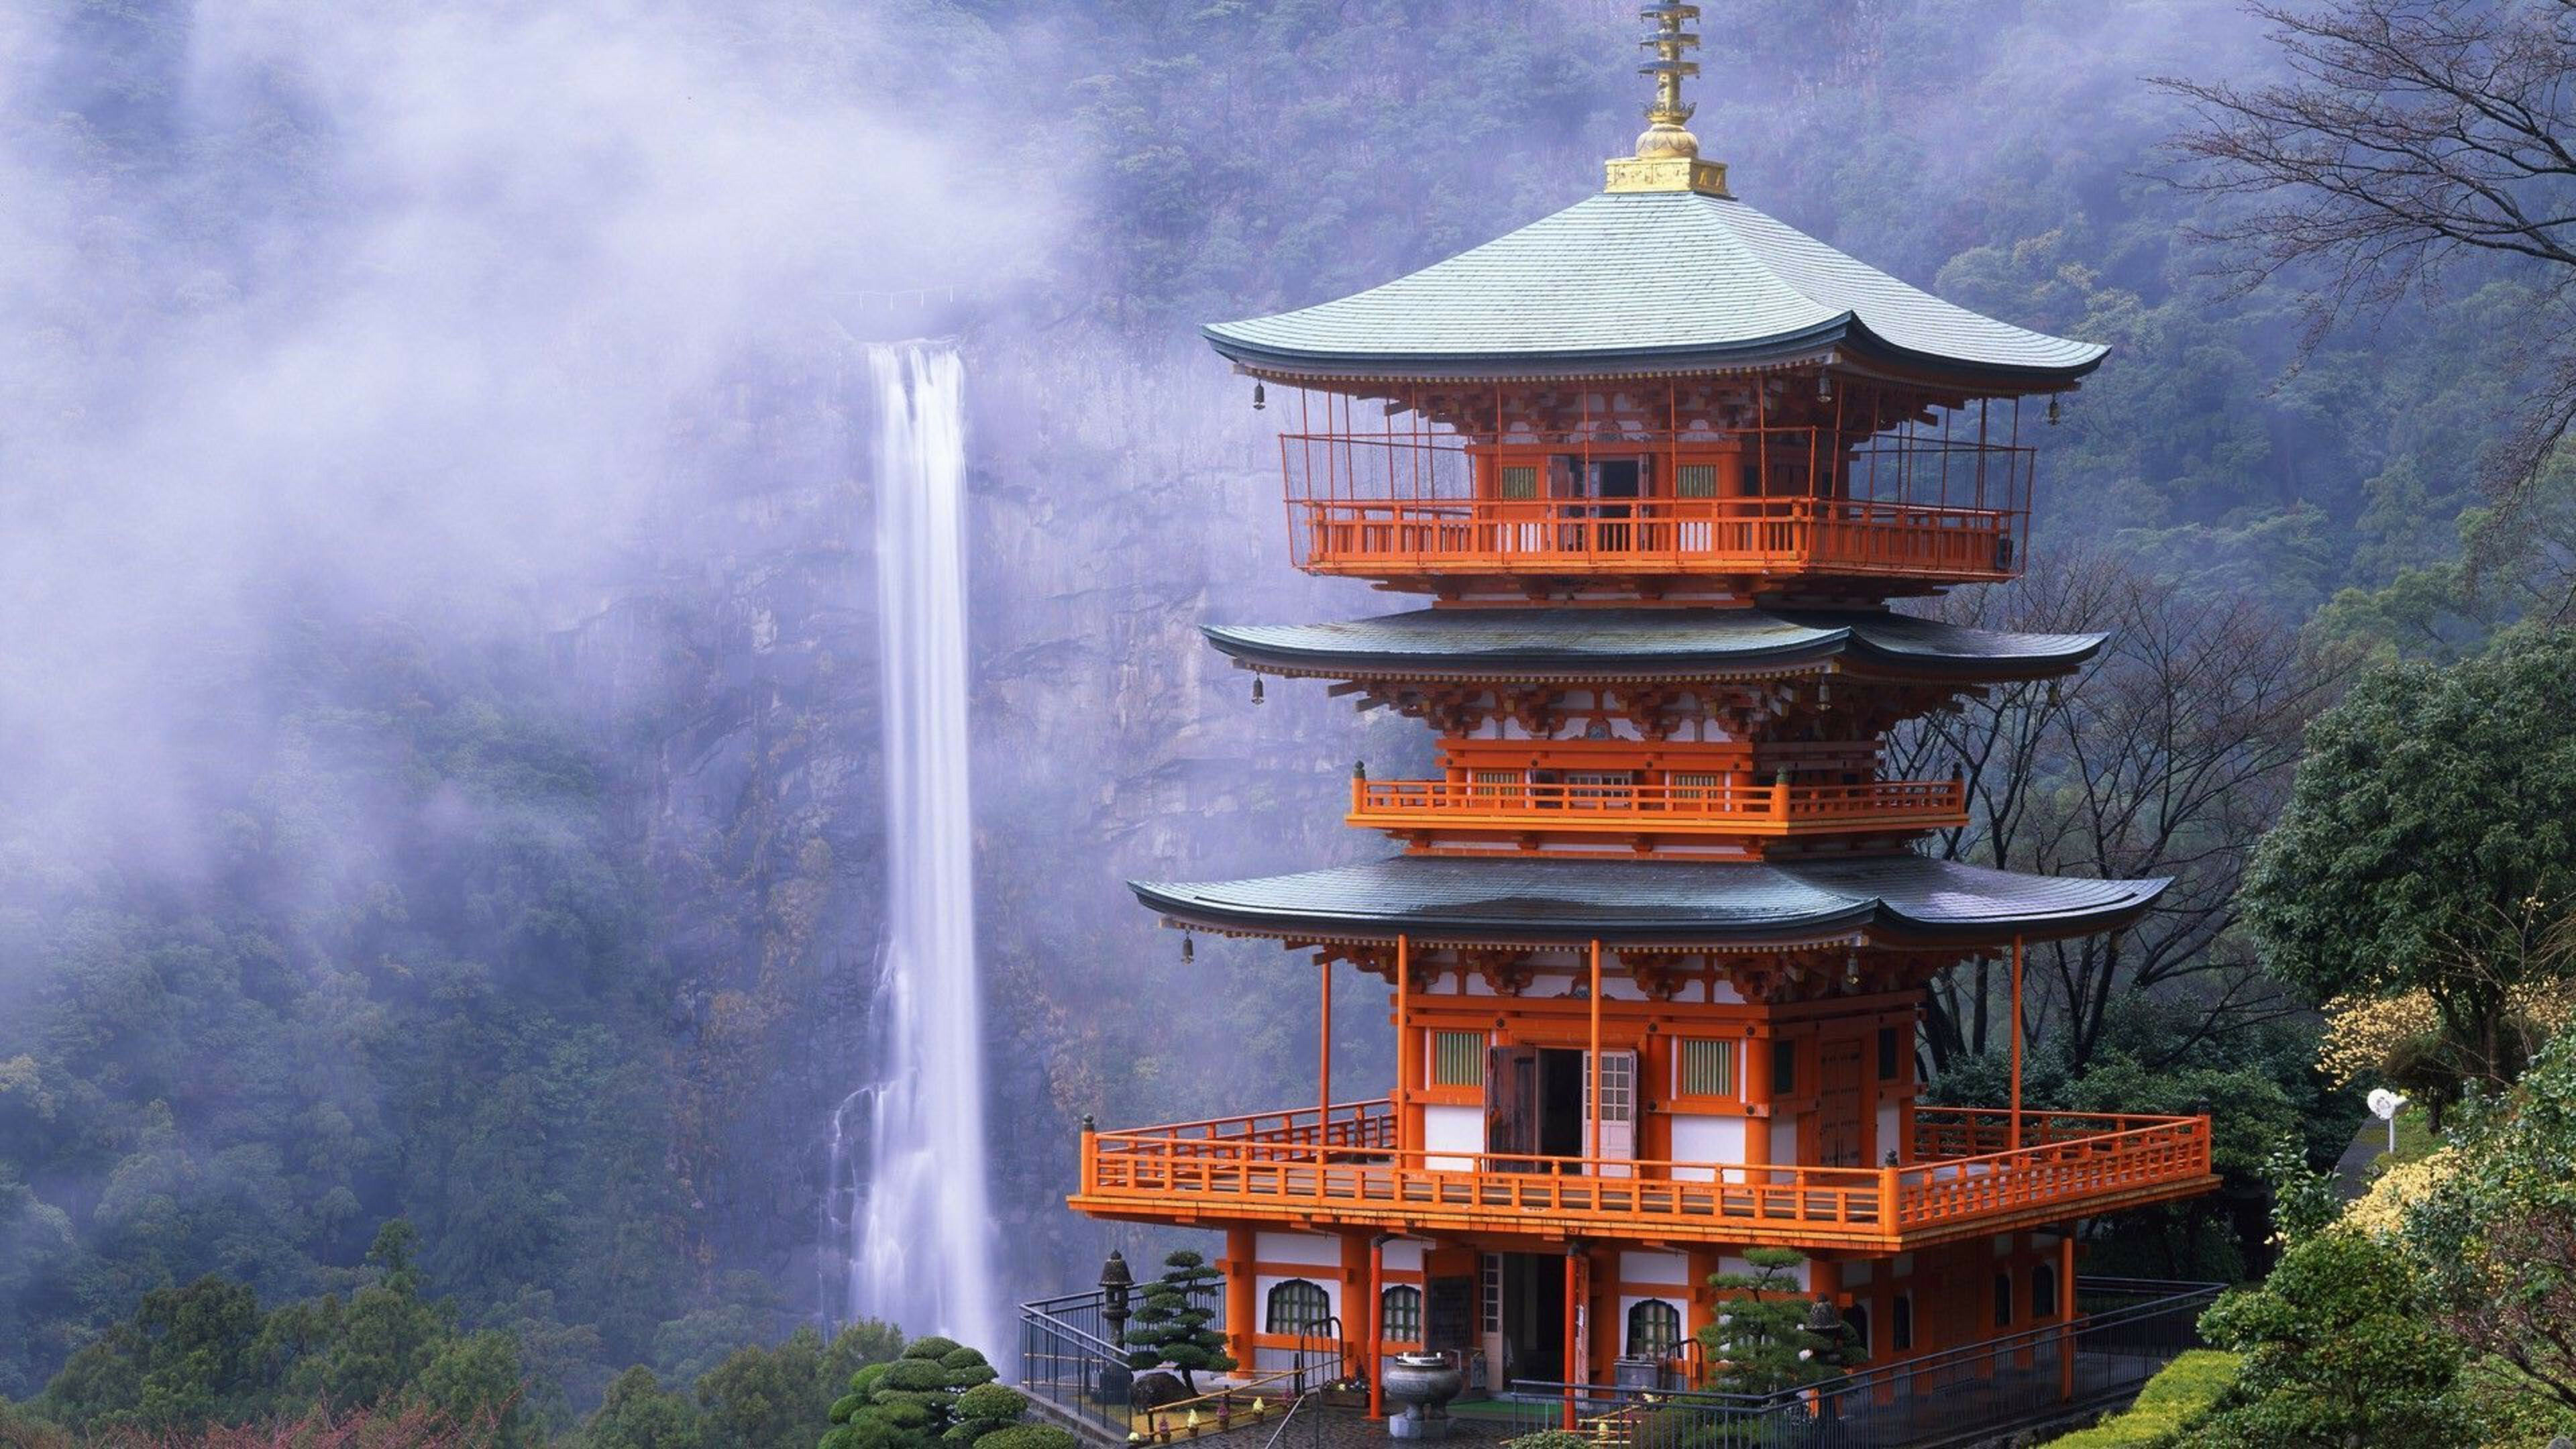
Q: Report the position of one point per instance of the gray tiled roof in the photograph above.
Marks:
(1904, 896)
(1631, 642)
(1667, 280)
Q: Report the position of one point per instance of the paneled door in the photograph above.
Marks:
(1838, 1105)
(1617, 1082)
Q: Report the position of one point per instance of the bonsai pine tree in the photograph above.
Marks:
(1760, 1343)
(939, 1392)
(1171, 1325)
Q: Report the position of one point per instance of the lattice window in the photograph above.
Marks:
(1695, 480)
(1654, 1329)
(1687, 785)
(1457, 1059)
(1618, 1086)
(1708, 1068)
(1297, 1306)
(1492, 1304)
(1600, 789)
(1401, 1309)
(1498, 785)
(1520, 482)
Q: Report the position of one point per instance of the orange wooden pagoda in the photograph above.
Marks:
(1658, 933)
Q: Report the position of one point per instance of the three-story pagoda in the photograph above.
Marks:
(1657, 933)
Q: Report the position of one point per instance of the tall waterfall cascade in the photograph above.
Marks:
(908, 1150)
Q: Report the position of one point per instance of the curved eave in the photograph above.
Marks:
(1846, 645)
(1917, 912)
(1812, 344)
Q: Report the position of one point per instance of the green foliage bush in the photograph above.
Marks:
(2336, 1349)
(205, 1356)
(2178, 1396)
(938, 1392)
(1029, 1436)
(1551, 1439)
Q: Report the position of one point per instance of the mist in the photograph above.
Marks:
(438, 478)
(401, 309)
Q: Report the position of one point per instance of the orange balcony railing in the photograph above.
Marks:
(2067, 1165)
(1786, 501)
(1724, 808)
(1377, 536)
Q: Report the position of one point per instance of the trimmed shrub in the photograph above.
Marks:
(2170, 1403)
(1029, 1436)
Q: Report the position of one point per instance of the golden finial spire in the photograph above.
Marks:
(1667, 156)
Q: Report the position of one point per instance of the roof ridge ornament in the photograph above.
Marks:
(1667, 156)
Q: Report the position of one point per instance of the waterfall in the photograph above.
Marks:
(908, 1168)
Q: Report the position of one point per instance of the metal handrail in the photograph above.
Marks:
(2188, 1294)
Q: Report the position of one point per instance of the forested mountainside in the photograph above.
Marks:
(481, 831)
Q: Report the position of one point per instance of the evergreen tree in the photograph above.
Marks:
(938, 1392)
(1761, 1343)
(638, 1413)
(1171, 1326)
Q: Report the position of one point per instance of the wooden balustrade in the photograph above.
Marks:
(1721, 808)
(1274, 1166)
(1829, 536)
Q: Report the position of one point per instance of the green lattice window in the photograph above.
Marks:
(1708, 1068)
(1457, 1059)
(1401, 1308)
(1520, 482)
(1297, 1306)
(1654, 1329)
(1695, 480)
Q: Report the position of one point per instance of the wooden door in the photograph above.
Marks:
(1838, 1105)
(1616, 1080)
(1511, 1105)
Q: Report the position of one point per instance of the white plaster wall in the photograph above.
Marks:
(1452, 1129)
(1699, 1138)
(1784, 1141)
(1655, 1268)
(1890, 1122)
(1320, 1249)
(1404, 1255)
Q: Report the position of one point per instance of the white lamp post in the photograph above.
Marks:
(2383, 1105)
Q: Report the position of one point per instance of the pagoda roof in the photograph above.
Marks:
(1632, 283)
(1902, 897)
(1644, 642)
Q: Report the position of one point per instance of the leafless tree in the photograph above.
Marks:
(2169, 756)
(2408, 135)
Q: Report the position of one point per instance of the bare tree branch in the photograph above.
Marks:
(2409, 135)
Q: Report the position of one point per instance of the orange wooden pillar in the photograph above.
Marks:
(1575, 1289)
(1324, 1057)
(1592, 1072)
(1376, 1325)
(2016, 1044)
(1240, 1253)
(1406, 1137)
(2066, 1316)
